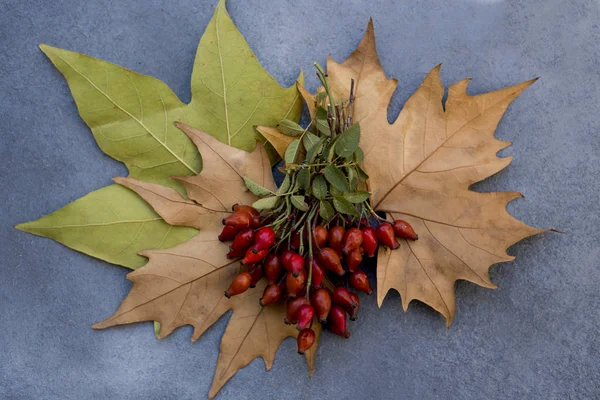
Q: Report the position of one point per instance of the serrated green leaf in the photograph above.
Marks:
(319, 187)
(290, 128)
(266, 204)
(326, 210)
(321, 121)
(357, 197)
(335, 192)
(362, 175)
(347, 142)
(359, 155)
(299, 203)
(292, 152)
(256, 188)
(336, 178)
(310, 140)
(344, 206)
(352, 178)
(315, 150)
(113, 224)
(285, 185)
(303, 179)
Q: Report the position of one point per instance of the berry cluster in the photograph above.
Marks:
(309, 238)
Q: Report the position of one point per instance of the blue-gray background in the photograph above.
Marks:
(535, 337)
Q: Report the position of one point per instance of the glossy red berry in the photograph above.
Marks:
(257, 273)
(293, 263)
(272, 294)
(370, 241)
(273, 268)
(236, 253)
(337, 320)
(353, 238)
(239, 284)
(251, 257)
(317, 274)
(385, 235)
(330, 260)
(360, 281)
(291, 309)
(341, 296)
(306, 313)
(242, 240)
(353, 312)
(354, 258)
(295, 284)
(335, 239)
(286, 256)
(319, 235)
(305, 340)
(264, 239)
(228, 233)
(404, 230)
(321, 301)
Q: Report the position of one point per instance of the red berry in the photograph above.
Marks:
(353, 312)
(295, 241)
(360, 281)
(337, 320)
(295, 284)
(353, 238)
(317, 274)
(305, 340)
(319, 236)
(273, 268)
(385, 234)
(321, 301)
(272, 294)
(251, 257)
(354, 258)
(306, 313)
(291, 309)
(404, 230)
(243, 240)
(236, 253)
(330, 260)
(239, 284)
(336, 330)
(264, 239)
(228, 233)
(369, 241)
(239, 220)
(257, 273)
(341, 297)
(293, 262)
(336, 238)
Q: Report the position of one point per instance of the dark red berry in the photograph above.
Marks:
(341, 297)
(257, 273)
(319, 236)
(354, 258)
(353, 238)
(321, 301)
(295, 284)
(335, 239)
(242, 240)
(306, 313)
(337, 320)
(305, 340)
(272, 294)
(273, 268)
(370, 241)
(385, 235)
(293, 263)
(360, 281)
(264, 239)
(330, 260)
(404, 230)
(228, 233)
(291, 309)
(353, 312)
(317, 274)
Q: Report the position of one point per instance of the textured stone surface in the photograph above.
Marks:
(535, 337)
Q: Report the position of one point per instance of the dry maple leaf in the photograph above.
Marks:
(421, 168)
(184, 285)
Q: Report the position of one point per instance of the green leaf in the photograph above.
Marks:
(299, 203)
(335, 192)
(256, 188)
(362, 175)
(285, 185)
(303, 179)
(347, 142)
(352, 178)
(319, 187)
(359, 155)
(357, 197)
(344, 206)
(322, 124)
(113, 224)
(266, 204)
(315, 150)
(290, 128)
(310, 140)
(336, 178)
(291, 153)
(326, 210)
(231, 92)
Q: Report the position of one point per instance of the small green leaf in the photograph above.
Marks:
(319, 187)
(362, 175)
(347, 142)
(290, 128)
(266, 204)
(335, 192)
(303, 179)
(285, 185)
(326, 211)
(291, 153)
(322, 124)
(315, 150)
(309, 140)
(359, 155)
(344, 206)
(336, 178)
(357, 197)
(256, 188)
(352, 178)
(299, 203)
